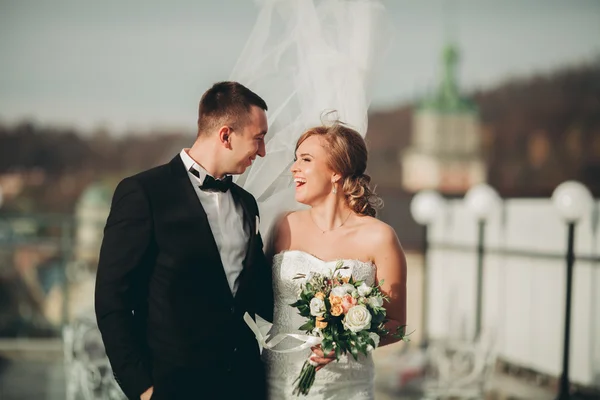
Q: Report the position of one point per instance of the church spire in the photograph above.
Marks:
(448, 90)
(447, 97)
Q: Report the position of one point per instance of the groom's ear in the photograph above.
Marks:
(225, 136)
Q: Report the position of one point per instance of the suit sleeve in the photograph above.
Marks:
(119, 286)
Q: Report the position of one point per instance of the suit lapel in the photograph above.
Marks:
(197, 216)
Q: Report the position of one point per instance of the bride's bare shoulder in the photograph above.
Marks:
(375, 230)
(380, 244)
(283, 227)
(292, 219)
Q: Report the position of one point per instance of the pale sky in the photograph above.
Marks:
(139, 64)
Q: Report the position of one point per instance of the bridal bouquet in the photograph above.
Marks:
(347, 315)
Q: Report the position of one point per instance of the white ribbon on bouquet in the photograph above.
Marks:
(261, 328)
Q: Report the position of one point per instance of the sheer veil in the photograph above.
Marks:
(306, 57)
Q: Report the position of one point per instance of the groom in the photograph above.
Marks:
(182, 261)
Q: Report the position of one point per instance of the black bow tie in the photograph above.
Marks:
(212, 184)
(218, 185)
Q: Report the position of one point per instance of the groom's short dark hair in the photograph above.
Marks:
(227, 103)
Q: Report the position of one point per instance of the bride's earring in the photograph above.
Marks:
(334, 189)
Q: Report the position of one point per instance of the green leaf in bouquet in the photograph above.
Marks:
(363, 348)
(327, 345)
(308, 326)
(333, 329)
(339, 345)
(346, 340)
(354, 352)
(371, 342)
(377, 319)
(297, 303)
(401, 333)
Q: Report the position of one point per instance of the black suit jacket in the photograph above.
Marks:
(162, 300)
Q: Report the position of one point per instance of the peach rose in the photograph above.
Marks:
(335, 300)
(336, 310)
(320, 295)
(320, 323)
(348, 302)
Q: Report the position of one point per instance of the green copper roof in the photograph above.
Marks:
(447, 98)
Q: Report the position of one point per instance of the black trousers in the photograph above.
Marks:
(245, 380)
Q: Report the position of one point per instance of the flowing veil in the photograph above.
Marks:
(306, 57)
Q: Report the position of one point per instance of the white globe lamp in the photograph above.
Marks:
(572, 200)
(426, 206)
(482, 200)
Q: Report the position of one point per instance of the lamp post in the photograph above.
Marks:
(4, 230)
(425, 208)
(482, 200)
(572, 200)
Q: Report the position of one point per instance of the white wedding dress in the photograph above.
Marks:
(346, 379)
(306, 57)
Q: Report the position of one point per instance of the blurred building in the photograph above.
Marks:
(90, 215)
(445, 152)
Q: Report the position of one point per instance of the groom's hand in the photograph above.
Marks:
(320, 358)
(147, 395)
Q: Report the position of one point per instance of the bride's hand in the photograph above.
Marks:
(147, 395)
(320, 358)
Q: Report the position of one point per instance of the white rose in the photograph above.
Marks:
(357, 319)
(340, 291)
(349, 288)
(317, 307)
(375, 301)
(364, 289)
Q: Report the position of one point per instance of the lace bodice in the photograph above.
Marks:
(345, 379)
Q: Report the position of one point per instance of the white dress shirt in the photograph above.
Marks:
(226, 220)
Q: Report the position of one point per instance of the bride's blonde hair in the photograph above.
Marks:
(347, 155)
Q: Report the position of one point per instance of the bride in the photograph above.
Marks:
(305, 57)
(329, 176)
